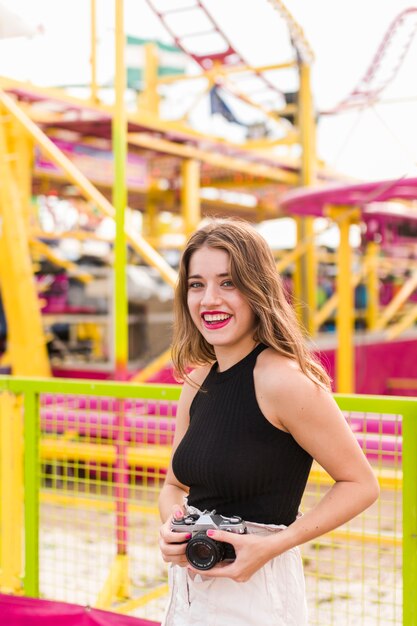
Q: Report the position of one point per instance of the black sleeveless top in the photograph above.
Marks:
(233, 459)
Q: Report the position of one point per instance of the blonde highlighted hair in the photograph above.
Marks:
(253, 272)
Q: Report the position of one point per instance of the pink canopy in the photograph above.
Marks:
(312, 201)
(18, 611)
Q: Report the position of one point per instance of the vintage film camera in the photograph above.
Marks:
(202, 551)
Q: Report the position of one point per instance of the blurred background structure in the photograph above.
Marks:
(123, 126)
(153, 117)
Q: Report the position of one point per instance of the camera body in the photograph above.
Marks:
(202, 551)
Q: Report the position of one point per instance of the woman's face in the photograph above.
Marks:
(218, 309)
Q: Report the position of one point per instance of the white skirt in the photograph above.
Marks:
(273, 596)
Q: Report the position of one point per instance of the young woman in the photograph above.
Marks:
(253, 414)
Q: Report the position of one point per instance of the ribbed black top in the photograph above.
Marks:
(233, 459)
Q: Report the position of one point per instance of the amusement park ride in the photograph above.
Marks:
(108, 316)
(102, 158)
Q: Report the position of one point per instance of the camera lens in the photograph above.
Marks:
(202, 552)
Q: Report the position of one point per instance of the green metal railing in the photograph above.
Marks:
(31, 390)
(407, 408)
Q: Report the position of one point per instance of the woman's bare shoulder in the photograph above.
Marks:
(197, 376)
(193, 382)
(277, 370)
(282, 388)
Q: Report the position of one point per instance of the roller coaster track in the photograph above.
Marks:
(220, 52)
(385, 64)
(302, 47)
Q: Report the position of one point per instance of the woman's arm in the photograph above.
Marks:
(318, 425)
(172, 494)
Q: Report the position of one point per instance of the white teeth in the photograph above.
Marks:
(218, 317)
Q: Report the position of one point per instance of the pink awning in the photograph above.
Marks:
(18, 611)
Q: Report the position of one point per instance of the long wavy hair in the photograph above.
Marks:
(253, 272)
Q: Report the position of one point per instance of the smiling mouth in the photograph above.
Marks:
(215, 319)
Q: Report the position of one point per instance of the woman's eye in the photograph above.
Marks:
(227, 283)
(194, 285)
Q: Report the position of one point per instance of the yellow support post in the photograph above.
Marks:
(148, 100)
(26, 339)
(307, 127)
(190, 195)
(11, 494)
(150, 217)
(305, 280)
(345, 382)
(21, 144)
(93, 58)
(116, 585)
(372, 285)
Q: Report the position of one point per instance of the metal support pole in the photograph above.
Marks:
(26, 339)
(11, 494)
(93, 58)
(32, 489)
(120, 199)
(150, 218)
(148, 100)
(372, 286)
(409, 467)
(190, 195)
(119, 129)
(305, 282)
(345, 344)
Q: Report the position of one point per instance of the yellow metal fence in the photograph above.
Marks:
(95, 456)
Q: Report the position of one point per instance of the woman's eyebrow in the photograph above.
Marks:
(222, 275)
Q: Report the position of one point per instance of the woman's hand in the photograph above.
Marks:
(252, 552)
(173, 544)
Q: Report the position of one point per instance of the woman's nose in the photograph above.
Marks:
(210, 296)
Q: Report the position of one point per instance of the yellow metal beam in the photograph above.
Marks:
(292, 256)
(226, 71)
(48, 147)
(45, 250)
(152, 368)
(80, 235)
(271, 114)
(236, 164)
(332, 303)
(406, 322)
(125, 608)
(143, 119)
(396, 303)
(290, 139)
(154, 456)
(197, 99)
(26, 340)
